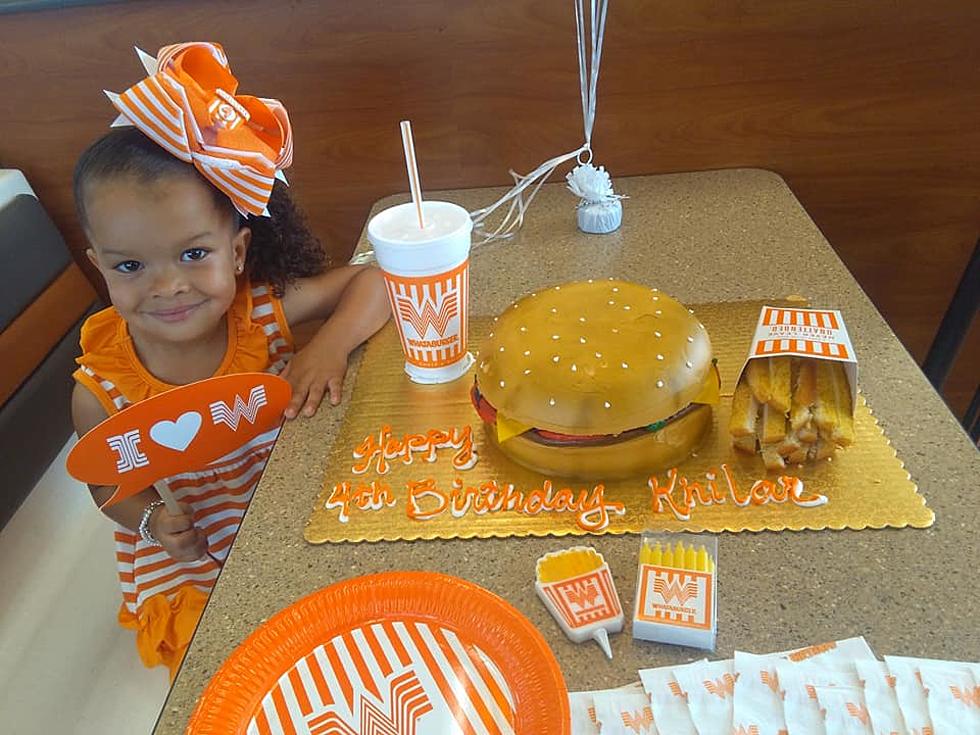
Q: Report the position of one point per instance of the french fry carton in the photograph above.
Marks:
(819, 334)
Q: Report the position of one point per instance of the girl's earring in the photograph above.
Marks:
(239, 268)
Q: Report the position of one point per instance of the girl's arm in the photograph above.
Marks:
(177, 534)
(353, 301)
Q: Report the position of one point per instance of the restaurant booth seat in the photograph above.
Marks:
(44, 298)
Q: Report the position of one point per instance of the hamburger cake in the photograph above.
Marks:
(600, 379)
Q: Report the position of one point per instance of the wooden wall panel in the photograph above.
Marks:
(867, 108)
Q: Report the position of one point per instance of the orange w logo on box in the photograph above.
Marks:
(675, 590)
(178, 431)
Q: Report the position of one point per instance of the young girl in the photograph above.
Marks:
(198, 290)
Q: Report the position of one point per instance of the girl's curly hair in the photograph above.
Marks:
(282, 247)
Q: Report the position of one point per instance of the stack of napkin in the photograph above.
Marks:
(826, 689)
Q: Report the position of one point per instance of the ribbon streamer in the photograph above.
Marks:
(588, 67)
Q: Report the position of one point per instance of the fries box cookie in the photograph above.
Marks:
(795, 397)
(676, 590)
(578, 589)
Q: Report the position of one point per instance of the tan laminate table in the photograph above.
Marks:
(711, 236)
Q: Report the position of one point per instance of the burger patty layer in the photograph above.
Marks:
(551, 438)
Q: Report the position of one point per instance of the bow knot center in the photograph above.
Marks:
(226, 112)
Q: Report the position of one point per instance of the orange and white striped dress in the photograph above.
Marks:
(163, 598)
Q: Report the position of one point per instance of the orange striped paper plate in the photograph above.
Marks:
(399, 653)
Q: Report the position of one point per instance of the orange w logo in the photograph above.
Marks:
(742, 730)
(723, 687)
(428, 316)
(770, 679)
(969, 697)
(638, 722)
(676, 690)
(407, 704)
(675, 590)
(859, 713)
(583, 594)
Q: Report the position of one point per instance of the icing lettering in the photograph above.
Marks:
(383, 447)
(681, 496)
(592, 511)
(346, 495)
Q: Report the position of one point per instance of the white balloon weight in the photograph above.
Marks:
(600, 209)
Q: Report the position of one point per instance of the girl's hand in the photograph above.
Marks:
(354, 302)
(178, 535)
(315, 371)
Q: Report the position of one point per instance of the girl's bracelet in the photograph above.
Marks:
(144, 529)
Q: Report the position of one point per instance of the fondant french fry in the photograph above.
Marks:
(821, 449)
(790, 445)
(804, 394)
(744, 443)
(808, 432)
(773, 425)
(799, 456)
(843, 432)
(779, 383)
(772, 458)
(745, 409)
(826, 412)
(757, 374)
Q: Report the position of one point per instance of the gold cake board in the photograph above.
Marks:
(865, 485)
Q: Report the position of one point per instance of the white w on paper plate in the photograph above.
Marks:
(400, 677)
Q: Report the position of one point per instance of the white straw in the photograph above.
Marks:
(413, 169)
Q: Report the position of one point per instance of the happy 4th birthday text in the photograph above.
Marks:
(425, 500)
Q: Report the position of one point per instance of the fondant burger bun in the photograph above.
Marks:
(601, 379)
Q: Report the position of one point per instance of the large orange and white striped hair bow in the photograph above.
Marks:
(188, 106)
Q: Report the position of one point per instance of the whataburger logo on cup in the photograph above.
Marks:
(426, 271)
(429, 311)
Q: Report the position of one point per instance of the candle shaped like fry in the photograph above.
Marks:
(578, 589)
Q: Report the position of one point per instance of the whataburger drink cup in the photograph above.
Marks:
(426, 270)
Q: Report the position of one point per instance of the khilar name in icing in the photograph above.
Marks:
(383, 447)
(425, 501)
(680, 495)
